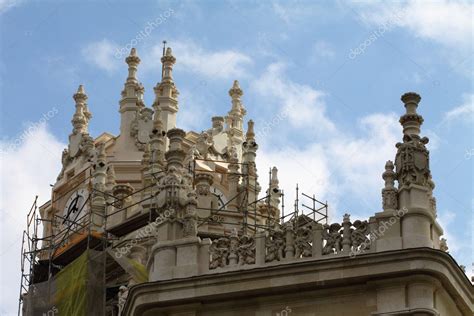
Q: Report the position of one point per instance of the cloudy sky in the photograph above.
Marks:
(322, 82)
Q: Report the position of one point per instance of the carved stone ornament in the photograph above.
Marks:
(246, 250)
(333, 237)
(275, 245)
(303, 242)
(219, 251)
(141, 127)
(412, 161)
(359, 235)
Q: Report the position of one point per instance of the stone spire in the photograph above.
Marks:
(412, 159)
(132, 94)
(236, 114)
(415, 186)
(80, 120)
(274, 193)
(166, 94)
(249, 156)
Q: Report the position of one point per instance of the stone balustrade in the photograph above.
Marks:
(296, 239)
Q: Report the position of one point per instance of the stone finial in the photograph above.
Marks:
(175, 155)
(411, 120)
(168, 57)
(133, 61)
(389, 175)
(250, 135)
(82, 115)
(389, 192)
(237, 112)
(274, 177)
(236, 91)
(443, 245)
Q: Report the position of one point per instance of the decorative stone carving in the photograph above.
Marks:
(303, 242)
(359, 235)
(275, 245)
(204, 143)
(219, 251)
(233, 247)
(389, 192)
(65, 160)
(333, 237)
(443, 245)
(203, 183)
(142, 126)
(412, 161)
(122, 298)
(122, 194)
(246, 250)
(86, 147)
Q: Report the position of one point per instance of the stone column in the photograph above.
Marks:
(317, 251)
(346, 237)
(290, 241)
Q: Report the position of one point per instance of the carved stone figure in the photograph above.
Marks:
(443, 245)
(303, 242)
(246, 250)
(65, 160)
(412, 161)
(333, 237)
(122, 298)
(359, 235)
(275, 245)
(219, 251)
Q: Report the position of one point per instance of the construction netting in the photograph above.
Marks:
(77, 290)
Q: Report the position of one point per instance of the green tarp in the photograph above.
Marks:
(77, 290)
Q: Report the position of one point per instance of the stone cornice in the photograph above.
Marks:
(308, 274)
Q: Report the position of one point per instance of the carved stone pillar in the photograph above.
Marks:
(346, 235)
(317, 250)
(260, 247)
(290, 241)
(234, 245)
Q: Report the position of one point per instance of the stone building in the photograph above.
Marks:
(185, 226)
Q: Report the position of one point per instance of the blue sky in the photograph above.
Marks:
(322, 81)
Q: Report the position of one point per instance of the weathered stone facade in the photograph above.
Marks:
(186, 206)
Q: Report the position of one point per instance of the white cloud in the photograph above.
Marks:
(325, 159)
(303, 105)
(224, 64)
(446, 22)
(6, 5)
(102, 54)
(220, 64)
(26, 170)
(322, 49)
(465, 111)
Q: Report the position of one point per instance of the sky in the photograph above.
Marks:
(321, 80)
